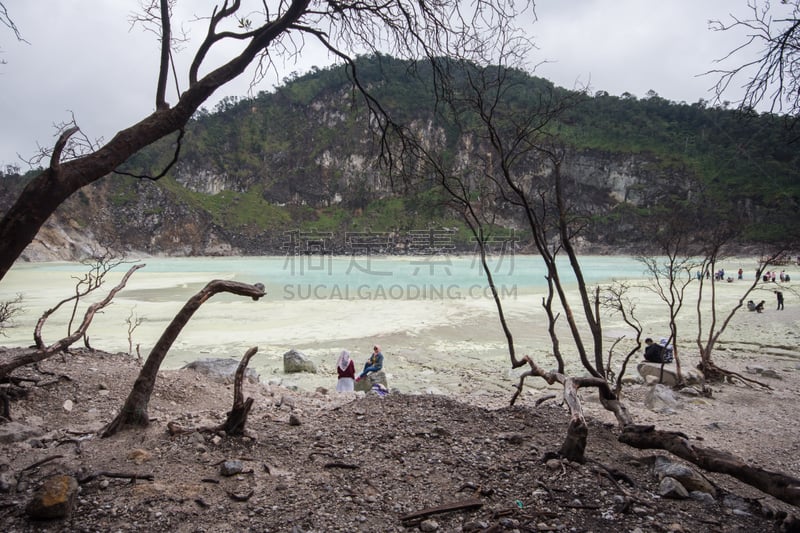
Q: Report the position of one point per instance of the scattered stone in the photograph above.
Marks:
(686, 476)
(55, 499)
(475, 525)
(7, 482)
(295, 361)
(294, 420)
(554, 464)
(660, 398)
(139, 456)
(231, 468)
(221, 370)
(365, 384)
(68, 405)
(702, 496)
(671, 488)
(429, 525)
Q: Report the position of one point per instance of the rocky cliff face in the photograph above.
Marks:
(144, 217)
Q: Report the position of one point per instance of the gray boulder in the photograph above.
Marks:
(55, 499)
(365, 385)
(221, 370)
(294, 361)
(669, 377)
(672, 488)
(660, 398)
(686, 476)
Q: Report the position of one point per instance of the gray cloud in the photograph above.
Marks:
(84, 58)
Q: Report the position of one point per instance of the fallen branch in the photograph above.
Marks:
(540, 401)
(455, 506)
(119, 475)
(240, 497)
(781, 486)
(40, 463)
(337, 464)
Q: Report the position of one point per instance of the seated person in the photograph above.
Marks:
(652, 351)
(760, 306)
(751, 305)
(667, 352)
(374, 363)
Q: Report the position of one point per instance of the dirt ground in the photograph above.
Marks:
(327, 462)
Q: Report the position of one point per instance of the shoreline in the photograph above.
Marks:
(447, 346)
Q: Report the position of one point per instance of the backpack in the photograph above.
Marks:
(667, 355)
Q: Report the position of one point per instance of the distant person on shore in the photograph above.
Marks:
(373, 364)
(347, 372)
(760, 306)
(779, 295)
(741, 272)
(653, 352)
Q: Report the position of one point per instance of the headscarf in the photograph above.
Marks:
(344, 360)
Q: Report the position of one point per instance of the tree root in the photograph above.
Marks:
(711, 372)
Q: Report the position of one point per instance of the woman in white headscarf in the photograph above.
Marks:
(347, 372)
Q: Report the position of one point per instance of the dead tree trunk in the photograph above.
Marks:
(574, 444)
(781, 486)
(25, 357)
(237, 416)
(134, 412)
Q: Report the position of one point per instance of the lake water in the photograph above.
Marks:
(433, 315)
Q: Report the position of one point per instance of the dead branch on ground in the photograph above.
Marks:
(779, 485)
(455, 506)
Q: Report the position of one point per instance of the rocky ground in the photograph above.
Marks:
(323, 461)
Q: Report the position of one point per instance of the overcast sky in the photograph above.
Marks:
(84, 60)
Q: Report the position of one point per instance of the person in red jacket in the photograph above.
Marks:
(347, 372)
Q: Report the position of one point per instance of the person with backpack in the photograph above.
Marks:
(653, 352)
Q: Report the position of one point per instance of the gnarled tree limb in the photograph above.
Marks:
(28, 356)
(134, 412)
(782, 486)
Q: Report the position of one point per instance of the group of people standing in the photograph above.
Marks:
(347, 369)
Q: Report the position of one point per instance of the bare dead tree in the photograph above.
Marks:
(772, 32)
(134, 412)
(515, 138)
(133, 321)
(408, 29)
(615, 299)
(99, 267)
(8, 310)
(706, 342)
(670, 276)
(13, 359)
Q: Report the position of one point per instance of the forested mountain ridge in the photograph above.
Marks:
(302, 160)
